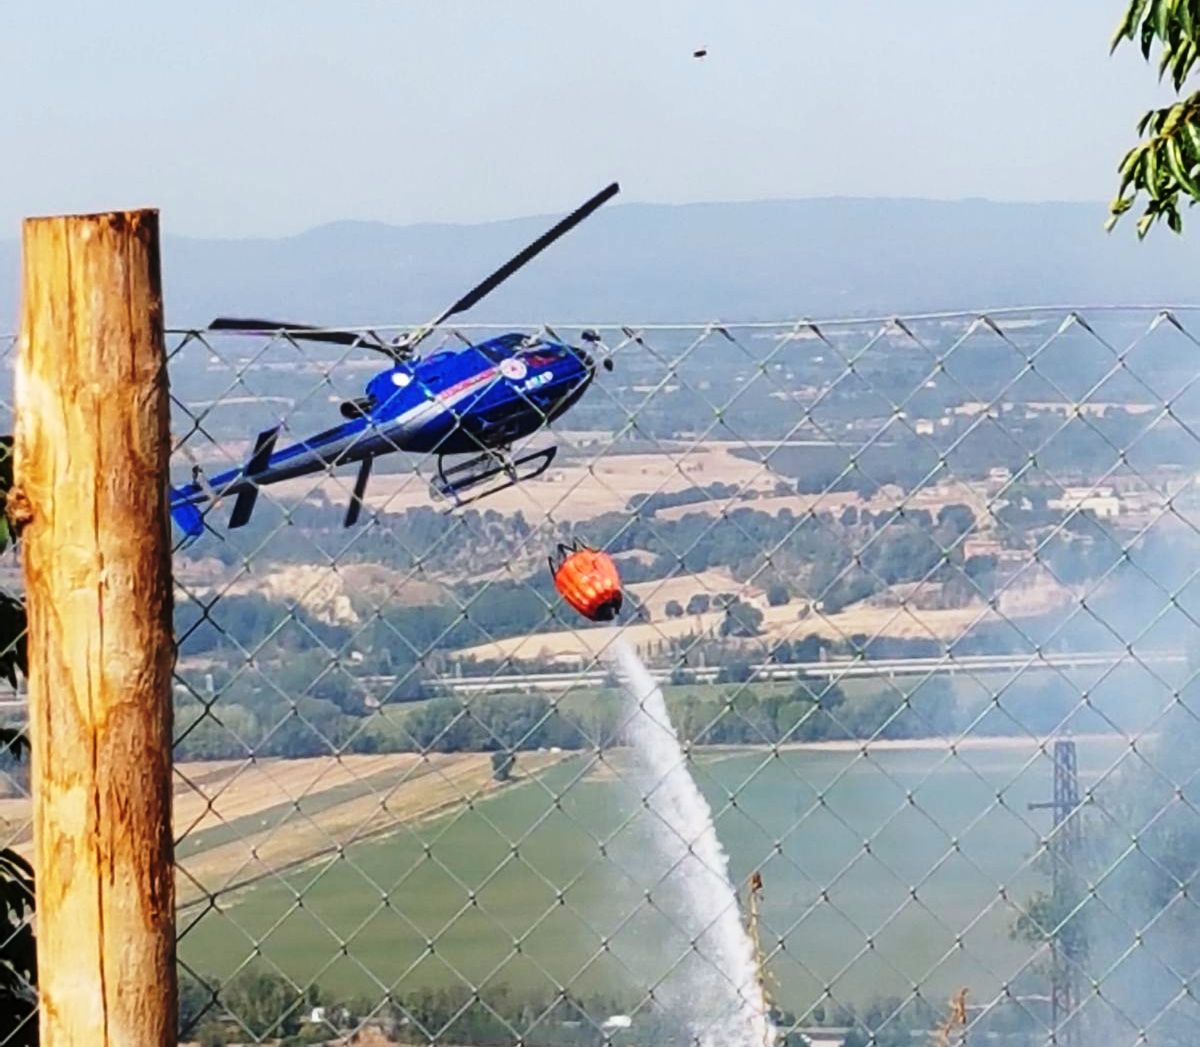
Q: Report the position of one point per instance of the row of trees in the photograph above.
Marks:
(737, 713)
(398, 632)
(508, 723)
(835, 562)
(900, 545)
(266, 1005)
(391, 638)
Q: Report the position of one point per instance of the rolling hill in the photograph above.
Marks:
(647, 262)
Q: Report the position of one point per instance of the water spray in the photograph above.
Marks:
(722, 990)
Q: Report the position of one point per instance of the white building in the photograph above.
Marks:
(1102, 501)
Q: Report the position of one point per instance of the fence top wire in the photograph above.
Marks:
(836, 320)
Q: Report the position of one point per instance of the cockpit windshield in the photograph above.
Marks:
(497, 349)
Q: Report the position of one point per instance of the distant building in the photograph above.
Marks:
(818, 1037)
(1101, 501)
(974, 408)
(1092, 409)
(617, 1021)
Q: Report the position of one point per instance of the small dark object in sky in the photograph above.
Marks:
(700, 53)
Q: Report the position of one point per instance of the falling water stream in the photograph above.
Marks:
(717, 985)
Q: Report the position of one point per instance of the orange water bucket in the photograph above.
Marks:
(588, 580)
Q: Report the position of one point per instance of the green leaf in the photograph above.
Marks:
(1175, 161)
(1181, 61)
(18, 953)
(1163, 166)
(1147, 37)
(1128, 26)
(1162, 19)
(15, 741)
(1128, 167)
(1150, 173)
(1192, 133)
(12, 638)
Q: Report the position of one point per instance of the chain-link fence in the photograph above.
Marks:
(915, 599)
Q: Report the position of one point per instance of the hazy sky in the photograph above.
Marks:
(253, 117)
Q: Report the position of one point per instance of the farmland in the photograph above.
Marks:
(899, 618)
(238, 820)
(946, 832)
(263, 817)
(570, 491)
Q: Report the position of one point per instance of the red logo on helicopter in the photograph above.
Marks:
(514, 370)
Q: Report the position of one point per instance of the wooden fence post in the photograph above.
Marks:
(92, 445)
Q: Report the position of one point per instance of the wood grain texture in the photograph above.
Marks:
(91, 464)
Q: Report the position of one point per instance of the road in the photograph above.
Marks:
(832, 669)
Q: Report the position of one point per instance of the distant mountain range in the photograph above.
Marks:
(650, 262)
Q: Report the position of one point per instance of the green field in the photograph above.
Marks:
(945, 834)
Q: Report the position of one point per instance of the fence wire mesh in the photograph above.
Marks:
(919, 594)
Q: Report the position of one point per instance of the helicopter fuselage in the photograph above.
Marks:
(475, 400)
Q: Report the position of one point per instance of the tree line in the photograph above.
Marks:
(265, 1005)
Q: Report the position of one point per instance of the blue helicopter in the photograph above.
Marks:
(474, 401)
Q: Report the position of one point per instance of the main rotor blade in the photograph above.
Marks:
(302, 331)
(403, 348)
(487, 286)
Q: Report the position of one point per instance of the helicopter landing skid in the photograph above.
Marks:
(466, 476)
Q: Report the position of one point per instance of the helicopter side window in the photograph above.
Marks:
(539, 358)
